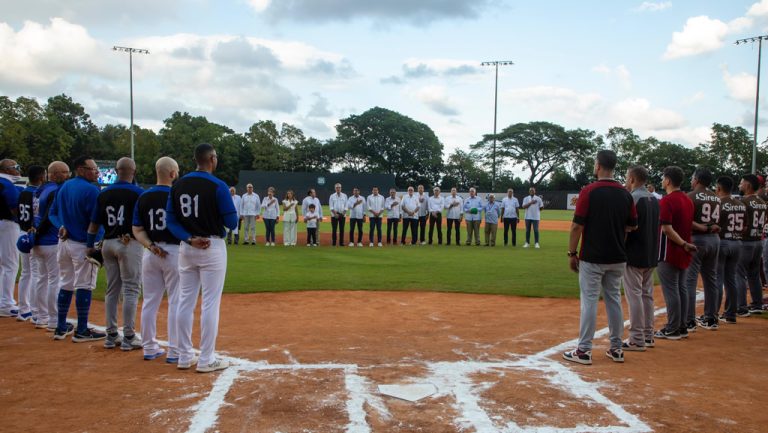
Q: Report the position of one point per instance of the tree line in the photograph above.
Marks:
(376, 141)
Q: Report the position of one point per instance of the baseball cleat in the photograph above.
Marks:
(24, 317)
(219, 364)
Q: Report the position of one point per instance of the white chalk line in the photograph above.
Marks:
(450, 378)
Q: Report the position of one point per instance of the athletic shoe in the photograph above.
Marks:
(665, 334)
(88, 335)
(58, 334)
(24, 317)
(537, 246)
(742, 312)
(50, 329)
(629, 346)
(756, 310)
(186, 365)
(526, 245)
(155, 355)
(41, 325)
(650, 343)
(351, 244)
(379, 243)
(728, 320)
(684, 332)
(314, 245)
(691, 326)
(616, 355)
(130, 343)
(172, 360)
(710, 324)
(112, 340)
(579, 357)
(371, 245)
(218, 364)
(359, 244)
(9, 313)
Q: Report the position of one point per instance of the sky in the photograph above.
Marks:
(667, 69)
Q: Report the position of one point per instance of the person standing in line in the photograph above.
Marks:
(435, 204)
(270, 211)
(311, 198)
(642, 258)
(473, 214)
(250, 209)
(290, 219)
(45, 251)
(71, 213)
(454, 205)
(409, 205)
(121, 253)
(392, 203)
(356, 206)
(27, 208)
(160, 264)
(676, 218)
(423, 213)
(605, 212)
(198, 210)
(237, 201)
(338, 207)
(310, 218)
(509, 206)
(492, 211)
(733, 213)
(532, 205)
(751, 248)
(652, 189)
(9, 234)
(706, 219)
(375, 205)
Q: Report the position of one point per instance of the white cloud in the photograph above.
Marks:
(437, 99)
(702, 34)
(741, 86)
(695, 98)
(259, 5)
(87, 12)
(653, 6)
(638, 113)
(687, 135)
(620, 72)
(759, 9)
(548, 101)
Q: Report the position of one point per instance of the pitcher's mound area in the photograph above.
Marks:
(314, 361)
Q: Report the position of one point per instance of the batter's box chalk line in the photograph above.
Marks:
(452, 380)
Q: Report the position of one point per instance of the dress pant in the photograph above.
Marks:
(436, 220)
(455, 224)
(337, 229)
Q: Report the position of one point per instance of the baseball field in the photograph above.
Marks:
(477, 333)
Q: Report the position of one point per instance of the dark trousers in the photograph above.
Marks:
(392, 224)
(455, 223)
(311, 236)
(528, 225)
(510, 223)
(374, 223)
(355, 222)
(270, 229)
(337, 224)
(413, 224)
(436, 219)
(422, 228)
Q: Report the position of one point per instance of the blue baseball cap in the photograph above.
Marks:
(25, 242)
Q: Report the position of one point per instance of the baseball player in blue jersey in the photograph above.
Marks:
(46, 248)
(27, 207)
(161, 261)
(9, 234)
(121, 253)
(199, 207)
(71, 214)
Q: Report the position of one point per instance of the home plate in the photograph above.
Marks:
(410, 392)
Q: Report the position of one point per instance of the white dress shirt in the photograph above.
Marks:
(375, 203)
(410, 203)
(311, 200)
(533, 212)
(236, 200)
(338, 203)
(436, 204)
(393, 207)
(356, 206)
(271, 208)
(454, 212)
(423, 204)
(510, 205)
(250, 204)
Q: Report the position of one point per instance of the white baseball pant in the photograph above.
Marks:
(76, 272)
(27, 302)
(9, 263)
(47, 283)
(206, 268)
(160, 275)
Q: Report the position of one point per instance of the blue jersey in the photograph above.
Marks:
(200, 205)
(47, 233)
(9, 199)
(74, 206)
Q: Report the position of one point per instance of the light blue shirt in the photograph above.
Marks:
(473, 202)
(492, 212)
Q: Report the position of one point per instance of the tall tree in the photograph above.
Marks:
(264, 141)
(730, 150)
(463, 172)
(71, 117)
(183, 132)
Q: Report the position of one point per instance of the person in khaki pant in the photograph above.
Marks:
(492, 211)
(472, 215)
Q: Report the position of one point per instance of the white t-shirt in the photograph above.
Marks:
(533, 212)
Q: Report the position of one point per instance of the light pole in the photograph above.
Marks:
(495, 64)
(759, 40)
(130, 52)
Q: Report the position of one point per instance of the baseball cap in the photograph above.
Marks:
(25, 242)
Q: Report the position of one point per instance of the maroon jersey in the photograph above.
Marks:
(706, 207)
(755, 219)
(733, 214)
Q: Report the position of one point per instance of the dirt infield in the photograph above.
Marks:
(310, 362)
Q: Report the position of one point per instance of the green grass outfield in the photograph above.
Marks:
(469, 269)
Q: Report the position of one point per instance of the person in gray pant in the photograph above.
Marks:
(732, 215)
(605, 211)
(752, 248)
(642, 258)
(706, 217)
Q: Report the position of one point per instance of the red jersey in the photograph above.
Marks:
(676, 209)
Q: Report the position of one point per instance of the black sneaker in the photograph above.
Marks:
(756, 309)
(88, 335)
(579, 357)
(666, 334)
(58, 334)
(691, 326)
(742, 312)
(616, 355)
(629, 346)
(650, 343)
(683, 332)
(710, 324)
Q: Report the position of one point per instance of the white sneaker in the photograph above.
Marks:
(424, 243)
(526, 245)
(187, 365)
(351, 244)
(218, 364)
(379, 243)
(359, 244)
(537, 245)
(371, 244)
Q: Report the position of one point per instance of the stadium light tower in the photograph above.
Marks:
(130, 52)
(495, 64)
(759, 40)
